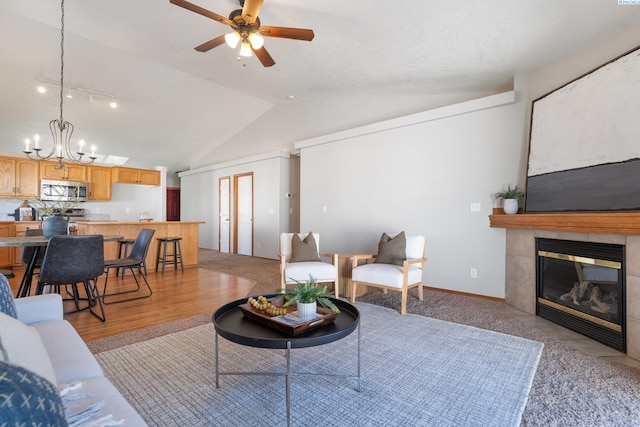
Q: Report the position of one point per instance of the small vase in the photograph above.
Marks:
(510, 206)
(307, 310)
(55, 225)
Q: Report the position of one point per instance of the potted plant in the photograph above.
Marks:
(306, 295)
(510, 198)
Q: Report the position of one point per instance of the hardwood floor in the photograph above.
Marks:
(176, 296)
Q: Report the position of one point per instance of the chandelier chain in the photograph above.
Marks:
(61, 60)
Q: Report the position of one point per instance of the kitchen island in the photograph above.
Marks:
(188, 230)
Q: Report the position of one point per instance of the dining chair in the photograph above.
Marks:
(69, 260)
(135, 260)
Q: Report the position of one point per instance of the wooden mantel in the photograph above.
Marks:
(626, 223)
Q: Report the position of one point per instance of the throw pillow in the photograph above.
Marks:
(304, 250)
(7, 304)
(24, 347)
(392, 250)
(28, 399)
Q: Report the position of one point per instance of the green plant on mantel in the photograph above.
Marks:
(307, 292)
(511, 193)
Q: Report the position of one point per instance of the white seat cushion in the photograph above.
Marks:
(71, 358)
(300, 271)
(385, 274)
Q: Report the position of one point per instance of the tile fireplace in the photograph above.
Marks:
(521, 262)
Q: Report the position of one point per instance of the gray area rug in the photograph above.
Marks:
(570, 388)
(415, 371)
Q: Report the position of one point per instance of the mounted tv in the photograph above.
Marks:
(584, 145)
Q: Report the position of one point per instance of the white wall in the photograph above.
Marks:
(199, 199)
(419, 174)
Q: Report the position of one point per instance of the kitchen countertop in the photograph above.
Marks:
(136, 222)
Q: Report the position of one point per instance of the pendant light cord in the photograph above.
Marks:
(61, 60)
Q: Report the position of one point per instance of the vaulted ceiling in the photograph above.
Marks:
(181, 108)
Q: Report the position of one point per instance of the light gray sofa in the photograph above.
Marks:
(70, 357)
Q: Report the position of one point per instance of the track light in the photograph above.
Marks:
(42, 89)
(91, 98)
(245, 49)
(113, 103)
(69, 94)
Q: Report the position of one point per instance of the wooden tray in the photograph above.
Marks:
(293, 328)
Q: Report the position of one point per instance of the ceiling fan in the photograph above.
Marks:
(246, 30)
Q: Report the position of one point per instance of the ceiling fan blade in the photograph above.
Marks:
(287, 33)
(251, 9)
(202, 11)
(206, 46)
(264, 56)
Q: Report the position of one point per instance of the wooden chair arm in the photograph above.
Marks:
(361, 257)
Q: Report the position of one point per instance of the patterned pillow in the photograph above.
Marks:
(7, 304)
(304, 250)
(28, 399)
(392, 251)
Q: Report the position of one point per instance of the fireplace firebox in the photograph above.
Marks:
(581, 286)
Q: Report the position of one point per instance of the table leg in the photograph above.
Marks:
(288, 383)
(25, 285)
(359, 327)
(217, 370)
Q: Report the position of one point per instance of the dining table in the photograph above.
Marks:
(40, 243)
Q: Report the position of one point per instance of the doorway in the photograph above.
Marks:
(173, 204)
(224, 184)
(243, 214)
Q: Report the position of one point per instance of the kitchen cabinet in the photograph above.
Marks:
(70, 172)
(6, 254)
(135, 176)
(19, 177)
(99, 183)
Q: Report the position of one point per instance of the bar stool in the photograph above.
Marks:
(124, 248)
(174, 257)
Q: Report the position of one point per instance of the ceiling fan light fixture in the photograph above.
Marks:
(245, 49)
(232, 39)
(256, 40)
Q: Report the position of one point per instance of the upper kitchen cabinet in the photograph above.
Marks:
(99, 183)
(70, 172)
(135, 176)
(19, 177)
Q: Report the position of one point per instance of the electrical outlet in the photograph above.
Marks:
(474, 273)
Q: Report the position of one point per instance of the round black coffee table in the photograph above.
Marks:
(231, 324)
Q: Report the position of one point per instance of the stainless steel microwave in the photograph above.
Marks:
(63, 191)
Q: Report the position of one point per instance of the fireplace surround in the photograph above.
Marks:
(522, 230)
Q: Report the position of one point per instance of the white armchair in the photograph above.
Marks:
(392, 276)
(300, 257)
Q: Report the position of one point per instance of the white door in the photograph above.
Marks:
(224, 214)
(244, 214)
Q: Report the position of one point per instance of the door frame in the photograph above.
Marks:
(235, 210)
(220, 179)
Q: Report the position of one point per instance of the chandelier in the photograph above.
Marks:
(61, 130)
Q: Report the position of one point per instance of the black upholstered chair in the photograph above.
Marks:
(135, 260)
(70, 260)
